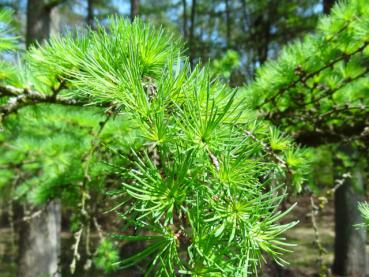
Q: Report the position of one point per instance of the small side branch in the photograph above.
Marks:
(75, 247)
(267, 149)
(22, 97)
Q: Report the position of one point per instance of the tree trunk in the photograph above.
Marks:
(350, 242)
(245, 17)
(39, 243)
(228, 23)
(264, 25)
(327, 6)
(90, 13)
(191, 40)
(42, 20)
(263, 49)
(38, 21)
(39, 237)
(184, 26)
(135, 5)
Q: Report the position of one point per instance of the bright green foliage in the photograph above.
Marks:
(7, 42)
(106, 256)
(49, 145)
(57, 152)
(202, 180)
(322, 173)
(318, 88)
(225, 66)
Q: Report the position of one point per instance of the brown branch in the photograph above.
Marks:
(271, 153)
(85, 196)
(94, 144)
(267, 148)
(321, 250)
(214, 160)
(98, 228)
(346, 113)
(304, 77)
(22, 97)
(345, 108)
(331, 91)
(75, 246)
(331, 134)
(11, 91)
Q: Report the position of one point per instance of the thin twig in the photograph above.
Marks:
(321, 250)
(75, 246)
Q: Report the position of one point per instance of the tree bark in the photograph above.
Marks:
(263, 26)
(327, 6)
(135, 5)
(39, 236)
(90, 13)
(350, 242)
(40, 243)
(184, 27)
(191, 40)
(264, 47)
(228, 23)
(245, 17)
(38, 22)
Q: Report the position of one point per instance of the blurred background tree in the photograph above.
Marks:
(256, 30)
(317, 91)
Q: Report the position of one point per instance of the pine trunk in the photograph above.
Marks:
(135, 5)
(39, 236)
(350, 242)
(184, 26)
(327, 6)
(90, 13)
(39, 243)
(38, 22)
(191, 39)
(228, 23)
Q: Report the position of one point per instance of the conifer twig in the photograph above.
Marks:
(304, 77)
(321, 249)
(75, 246)
(21, 97)
(266, 148)
(85, 195)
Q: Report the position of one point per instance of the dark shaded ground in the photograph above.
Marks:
(303, 259)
